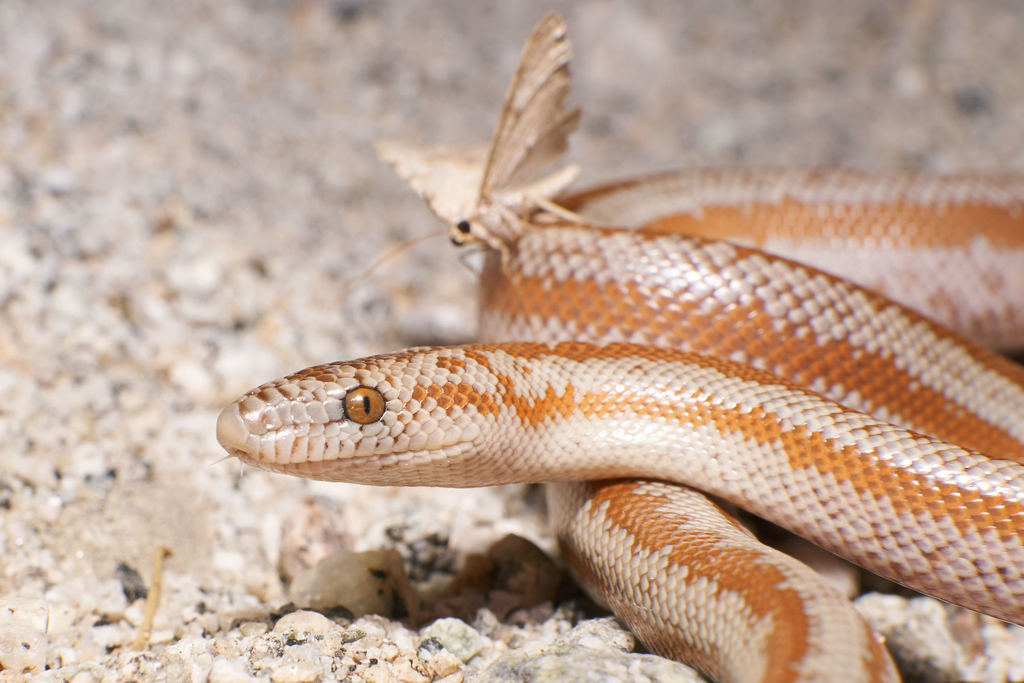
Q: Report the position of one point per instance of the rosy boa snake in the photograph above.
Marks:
(768, 384)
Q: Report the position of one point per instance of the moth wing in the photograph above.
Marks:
(522, 198)
(534, 125)
(445, 177)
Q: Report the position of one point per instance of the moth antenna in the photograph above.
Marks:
(397, 250)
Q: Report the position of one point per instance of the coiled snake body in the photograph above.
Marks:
(642, 369)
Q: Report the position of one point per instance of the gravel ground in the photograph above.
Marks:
(189, 205)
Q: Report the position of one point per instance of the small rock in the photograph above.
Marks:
(917, 632)
(225, 671)
(405, 671)
(296, 672)
(598, 634)
(458, 637)
(109, 636)
(594, 650)
(514, 574)
(436, 657)
(372, 582)
(30, 613)
(134, 614)
(23, 648)
(253, 628)
(525, 570)
(307, 536)
(305, 621)
(132, 584)
(351, 635)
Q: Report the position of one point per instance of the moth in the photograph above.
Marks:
(484, 194)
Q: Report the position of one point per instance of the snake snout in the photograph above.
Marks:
(232, 434)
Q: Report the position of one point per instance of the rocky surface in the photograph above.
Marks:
(190, 205)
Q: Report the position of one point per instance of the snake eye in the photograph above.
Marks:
(463, 227)
(364, 405)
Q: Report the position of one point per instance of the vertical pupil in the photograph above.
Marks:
(366, 404)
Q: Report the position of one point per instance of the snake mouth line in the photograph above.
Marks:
(399, 468)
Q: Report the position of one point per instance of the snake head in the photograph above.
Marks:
(399, 419)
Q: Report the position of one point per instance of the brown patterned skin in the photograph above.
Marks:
(711, 297)
(951, 246)
(738, 610)
(691, 583)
